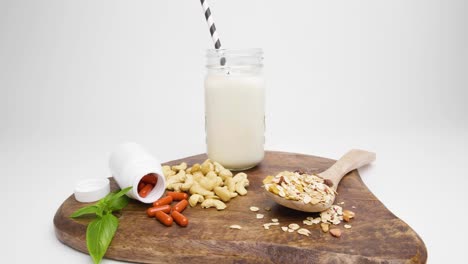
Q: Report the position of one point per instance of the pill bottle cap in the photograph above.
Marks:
(129, 163)
(91, 190)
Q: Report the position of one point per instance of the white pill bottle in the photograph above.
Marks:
(235, 107)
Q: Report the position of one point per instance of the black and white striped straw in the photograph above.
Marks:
(212, 27)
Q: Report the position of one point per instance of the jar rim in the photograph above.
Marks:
(237, 51)
(240, 59)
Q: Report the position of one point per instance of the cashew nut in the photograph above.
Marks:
(218, 167)
(211, 175)
(225, 173)
(219, 181)
(240, 187)
(179, 177)
(179, 167)
(215, 197)
(188, 182)
(197, 189)
(197, 176)
(195, 167)
(207, 166)
(239, 176)
(210, 181)
(223, 193)
(194, 199)
(175, 186)
(231, 185)
(167, 171)
(213, 203)
(208, 184)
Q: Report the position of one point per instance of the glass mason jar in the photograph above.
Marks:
(235, 107)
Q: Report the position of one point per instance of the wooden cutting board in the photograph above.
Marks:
(376, 236)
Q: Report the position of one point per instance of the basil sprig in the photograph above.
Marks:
(101, 230)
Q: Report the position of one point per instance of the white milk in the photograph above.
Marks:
(235, 118)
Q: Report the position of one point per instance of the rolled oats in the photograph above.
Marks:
(303, 231)
(254, 208)
(332, 215)
(267, 225)
(294, 226)
(308, 188)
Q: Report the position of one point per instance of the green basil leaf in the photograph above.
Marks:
(90, 209)
(99, 235)
(118, 204)
(121, 193)
(105, 201)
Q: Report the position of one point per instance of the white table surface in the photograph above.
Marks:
(79, 77)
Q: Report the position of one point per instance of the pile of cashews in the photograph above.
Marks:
(209, 183)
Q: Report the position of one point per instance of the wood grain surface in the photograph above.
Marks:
(376, 236)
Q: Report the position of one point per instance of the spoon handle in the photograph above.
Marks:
(352, 160)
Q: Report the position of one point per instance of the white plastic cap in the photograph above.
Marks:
(129, 163)
(91, 190)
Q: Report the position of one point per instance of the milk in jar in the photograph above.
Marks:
(235, 108)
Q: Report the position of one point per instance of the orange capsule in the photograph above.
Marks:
(179, 218)
(177, 196)
(164, 218)
(150, 178)
(180, 206)
(163, 201)
(152, 210)
(141, 185)
(145, 190)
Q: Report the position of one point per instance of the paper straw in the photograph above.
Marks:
(212, 27)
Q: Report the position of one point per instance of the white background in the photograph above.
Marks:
(79, 77)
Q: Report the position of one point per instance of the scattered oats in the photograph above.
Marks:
(332, 215)
(267, 225)
(254, 208)
(235, 227)
(354, 207)
(259, 216)
(290, 230)
(267, 209)
(303, 231)
(274, 220)
(294, 226)
(314, 200)
(310, 218)
(341, 203)
(316, 220)
(284, 228)
(307, 222)
(347, 226)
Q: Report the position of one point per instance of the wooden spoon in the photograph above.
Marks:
(350, 161)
